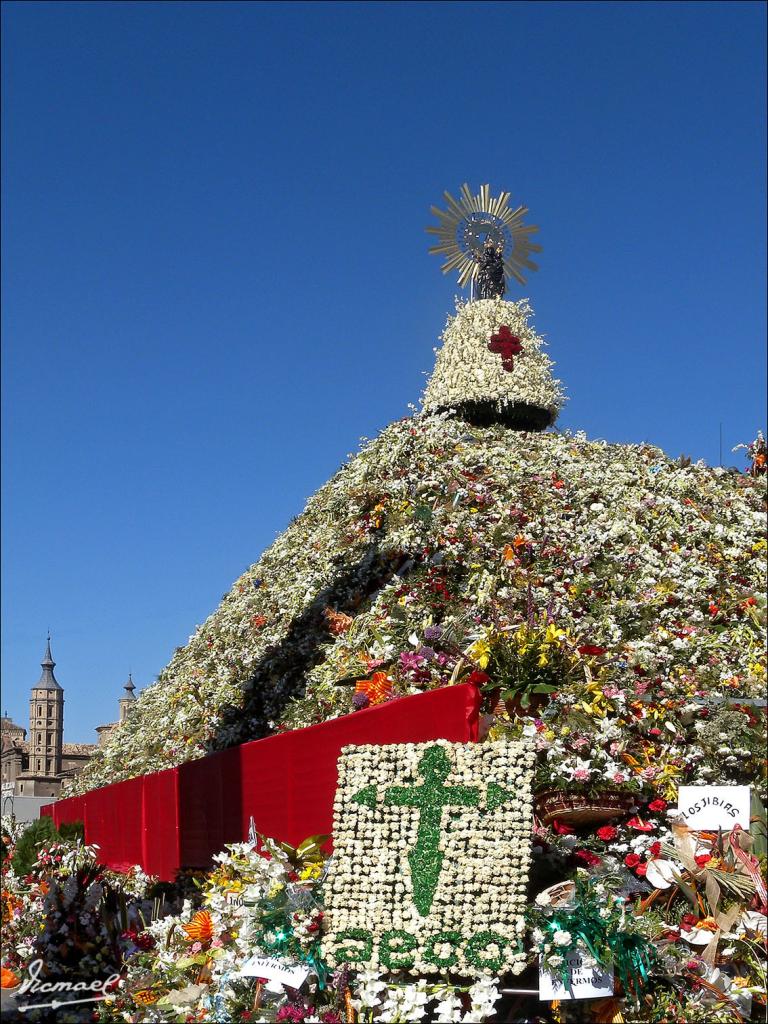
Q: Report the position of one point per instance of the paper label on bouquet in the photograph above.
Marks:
(713, 807)
(275, 971)
(583, 982)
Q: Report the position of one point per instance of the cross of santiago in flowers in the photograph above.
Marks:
(429, 799)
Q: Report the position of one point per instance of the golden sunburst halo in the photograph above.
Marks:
(471, 219)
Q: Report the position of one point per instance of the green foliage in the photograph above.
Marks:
(39, 833)
(72, 831)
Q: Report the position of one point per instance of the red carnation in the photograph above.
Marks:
(632, 860)
(688, 921)
(589, 858)
(702, 859)
(654, 849)
(657, 805)
(592, 651)
(607, 832)
(641, 869)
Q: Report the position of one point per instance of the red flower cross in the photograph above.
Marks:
(507, 345)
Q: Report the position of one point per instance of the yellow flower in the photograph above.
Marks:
(542, 659)
(311, 871)
(480, 652)
(553, 634)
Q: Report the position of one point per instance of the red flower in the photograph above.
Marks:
(632, 860)
(641, 869)
(640, 826)
(562, 829)
(592, 651)
(654, 849)
(507, 345)
(589, 858)
(702, 859)
(607, 832)
(688, 921)
(657, 805)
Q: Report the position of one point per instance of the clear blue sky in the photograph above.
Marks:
(216, 276)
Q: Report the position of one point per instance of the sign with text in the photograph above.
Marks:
(274, 970)
(713, 807)
(583, 982)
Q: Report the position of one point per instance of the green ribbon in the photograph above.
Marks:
(633, 957)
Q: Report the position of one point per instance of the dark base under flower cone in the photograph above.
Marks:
(517, 417)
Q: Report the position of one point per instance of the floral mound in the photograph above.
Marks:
(629, 584)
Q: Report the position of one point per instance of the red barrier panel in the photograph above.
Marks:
(182, 816)
(160, 823)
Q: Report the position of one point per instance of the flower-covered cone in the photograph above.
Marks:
(491, 368)
(433, 537)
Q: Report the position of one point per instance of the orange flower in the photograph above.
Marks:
(8, 979)
(145, 997)
(337, 622)
(200, 928)
(376, 689)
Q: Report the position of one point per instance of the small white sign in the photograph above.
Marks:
(274, 970)
(713, 807)
(583, 982)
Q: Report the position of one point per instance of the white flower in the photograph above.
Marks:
(562, 938)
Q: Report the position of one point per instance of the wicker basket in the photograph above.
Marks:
(581, 809)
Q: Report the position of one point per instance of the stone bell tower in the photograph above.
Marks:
(46, 722)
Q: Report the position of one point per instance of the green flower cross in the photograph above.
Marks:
(430, 799)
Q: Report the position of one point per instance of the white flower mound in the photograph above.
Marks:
(467, 371)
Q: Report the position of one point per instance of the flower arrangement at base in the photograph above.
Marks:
(592, 920)
(431, 855)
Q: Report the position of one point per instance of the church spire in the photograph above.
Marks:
(47, 679)
(129, 687)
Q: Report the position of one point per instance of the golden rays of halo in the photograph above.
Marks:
(469, 220)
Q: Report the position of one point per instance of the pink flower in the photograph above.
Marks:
(581, 774)
(409, 661)
(618, 777)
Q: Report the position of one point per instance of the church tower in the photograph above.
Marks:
(46, 722)
(127, 702)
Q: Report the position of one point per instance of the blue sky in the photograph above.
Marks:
(216, 279)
